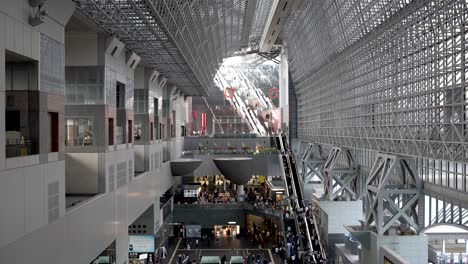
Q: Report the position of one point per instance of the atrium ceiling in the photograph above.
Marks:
(384, 75)
(185, 40)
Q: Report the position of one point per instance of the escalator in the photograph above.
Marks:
(241, 107)
(305, 225)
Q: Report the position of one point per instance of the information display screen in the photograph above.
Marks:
(141, 244)
(193, 230)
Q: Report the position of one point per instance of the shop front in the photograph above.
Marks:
(227, 230)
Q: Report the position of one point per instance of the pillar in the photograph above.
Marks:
(443, 247)
(240, 192)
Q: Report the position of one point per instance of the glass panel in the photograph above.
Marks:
(138, 127)
(120, 134)
(433, 210)
(78, 132)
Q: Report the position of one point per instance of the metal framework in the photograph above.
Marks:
(383, 75)
(259, 20)
(340, 178)
(440, 211)
(393, 194)
(184, 40)
(311, 165)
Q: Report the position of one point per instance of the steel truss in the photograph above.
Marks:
(311, 165)
(340, 178)
(185, 41)
(385, 75)
(393, 194)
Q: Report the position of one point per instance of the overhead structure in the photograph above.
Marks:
(185, 41)
(184, 167)
(277, 17)
(237, 170)
(383, 75)
(393, 195)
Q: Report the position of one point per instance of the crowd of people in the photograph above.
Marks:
(259, 234)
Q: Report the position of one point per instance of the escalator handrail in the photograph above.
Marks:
(321, 249)
(309, 239)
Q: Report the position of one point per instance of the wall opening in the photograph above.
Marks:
(54, 132)
(21, 105)
(111, 131)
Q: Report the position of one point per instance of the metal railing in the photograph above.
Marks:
(245, 206)
(299, 205)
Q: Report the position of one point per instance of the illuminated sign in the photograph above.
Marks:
(141, 244)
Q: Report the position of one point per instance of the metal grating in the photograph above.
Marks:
(390, 75)
(185, 40)
(260, 18)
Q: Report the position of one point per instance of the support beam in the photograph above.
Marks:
(275, 22)
(340, 175)
(393, 195)
(311, 164)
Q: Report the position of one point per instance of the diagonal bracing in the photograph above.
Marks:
(393, 195)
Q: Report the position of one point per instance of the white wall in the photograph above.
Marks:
(24, 180)
(80, 234)
(23, 196)
(340, 214)
(81, 173)
(284, 88)
(86, 230)
(413, 249)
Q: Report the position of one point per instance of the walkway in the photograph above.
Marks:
(227, 246)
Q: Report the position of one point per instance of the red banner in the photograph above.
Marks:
(273, 93)
(229, 92)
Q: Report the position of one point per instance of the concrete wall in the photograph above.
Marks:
(77, 43)
(413, 249)
(81, 173)
(343, 256)
(25, 181)
(140, 157)
(85, 230)
(388, 254)
(23, 192)
(192, 143)
(340, 214)
(217, 216)
(266, 164)
(143, 225)
(28, 233)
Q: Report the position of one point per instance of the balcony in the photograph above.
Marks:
(233, 206)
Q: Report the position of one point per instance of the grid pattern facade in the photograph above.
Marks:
(52, 65)
(394, 84)
(184, 40)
